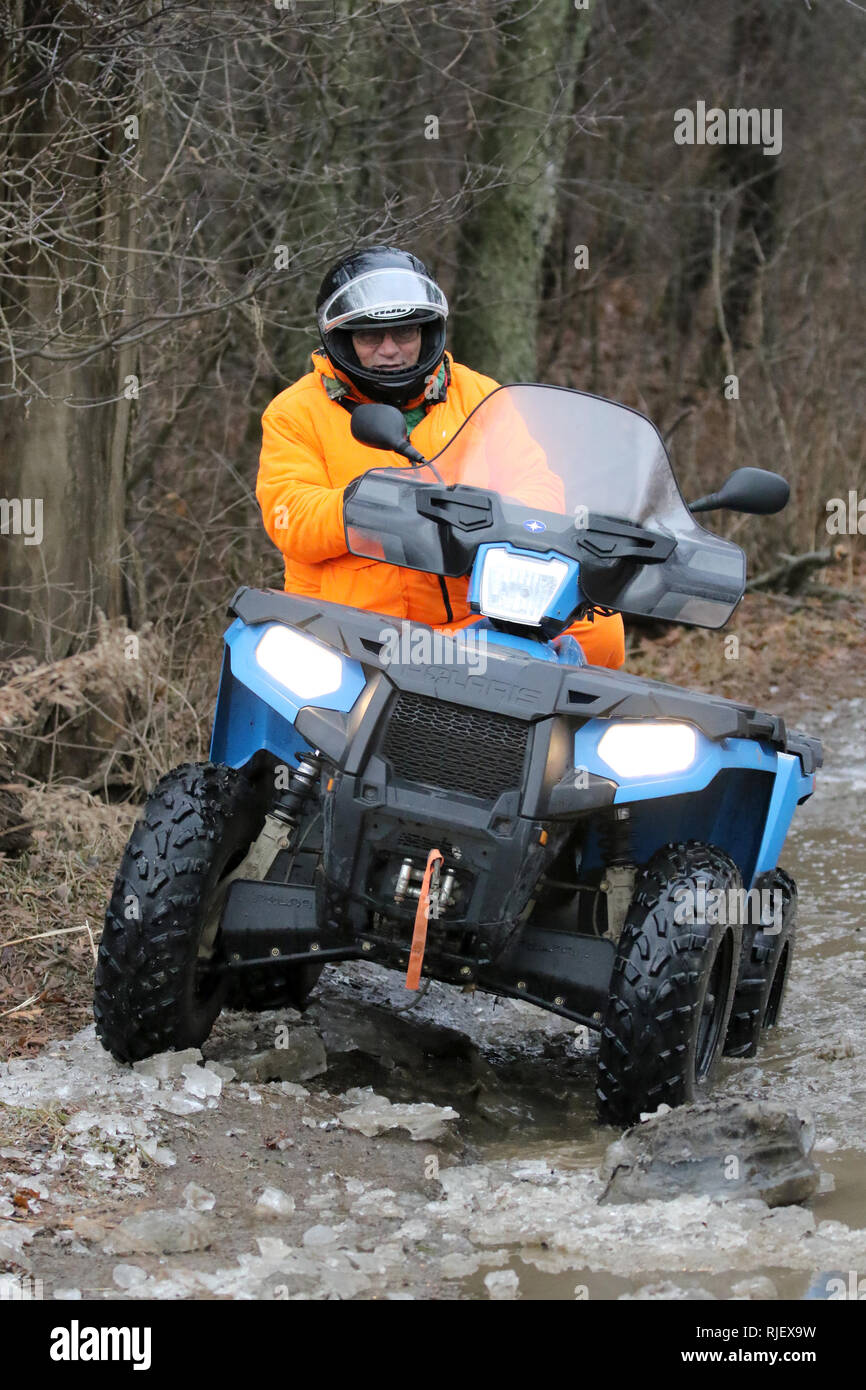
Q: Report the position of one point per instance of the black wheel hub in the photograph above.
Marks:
(713, 1007)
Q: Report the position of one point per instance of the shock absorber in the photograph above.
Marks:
(290, 806)
(615, 838)
(282, 819)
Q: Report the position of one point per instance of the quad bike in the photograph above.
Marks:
(600, 845)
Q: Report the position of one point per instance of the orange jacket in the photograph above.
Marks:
(309, 455)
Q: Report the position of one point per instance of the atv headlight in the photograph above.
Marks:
(648, 749)
(519, 588)
(304, 666)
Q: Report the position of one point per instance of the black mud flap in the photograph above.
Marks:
(266, 923)
(559, 971)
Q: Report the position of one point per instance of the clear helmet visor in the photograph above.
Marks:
(383, 296)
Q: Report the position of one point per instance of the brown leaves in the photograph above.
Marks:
(22, 1198)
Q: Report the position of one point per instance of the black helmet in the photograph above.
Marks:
(373, 289)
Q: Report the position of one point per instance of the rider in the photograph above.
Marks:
(381, 317)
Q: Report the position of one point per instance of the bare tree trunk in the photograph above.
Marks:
(66, 419)
(525, 122)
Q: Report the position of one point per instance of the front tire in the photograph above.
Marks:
(159, 984)
(672, 985)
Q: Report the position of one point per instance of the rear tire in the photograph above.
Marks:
(763, 975)
(672, 987)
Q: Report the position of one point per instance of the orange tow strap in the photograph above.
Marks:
(419, 935)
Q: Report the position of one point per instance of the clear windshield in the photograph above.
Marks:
(566, 452)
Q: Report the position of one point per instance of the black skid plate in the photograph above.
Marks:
(275, 923)
(268, 923)
(560, 971)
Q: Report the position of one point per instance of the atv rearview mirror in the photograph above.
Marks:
(383, 427)
(752, 490)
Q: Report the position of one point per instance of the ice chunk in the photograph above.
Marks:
(345, 1283)
(96, 1158)
(374, 1115)
(502, 1284)
(160, 1232)
(198, 1198)
(225, 1073)
(148, 1083)
(302, 1057)
(179, 1104)
(201, 1081)
(273, 1203)
(319, 1236)
(413, 1230)
(127, 1276)
(273, 1249)
(727, 1149)
(320, 1200)
(12, 1241)
(667, 1292)
(112, 1124)
(166, 1065)
(291, 1088)
(757, 1287)
(158, 1153)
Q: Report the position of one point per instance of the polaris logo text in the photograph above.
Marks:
(77, 1343)
(728, 906)
(738, 126)
(421, 646)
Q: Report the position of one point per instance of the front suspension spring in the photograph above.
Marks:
(291, 804)
(615, 837)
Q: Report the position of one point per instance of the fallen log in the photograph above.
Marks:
(794, 571)
(825, 591)
(76, 717)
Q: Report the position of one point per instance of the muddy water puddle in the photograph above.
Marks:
(590, 1285)
(524, 1086)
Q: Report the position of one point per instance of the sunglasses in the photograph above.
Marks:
(374, 337)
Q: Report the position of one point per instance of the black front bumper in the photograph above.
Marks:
(281, 924)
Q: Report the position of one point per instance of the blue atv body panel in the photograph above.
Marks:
(254, 711)
(739, 793)
(766, 826)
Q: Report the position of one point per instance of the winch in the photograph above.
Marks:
(411, 877)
